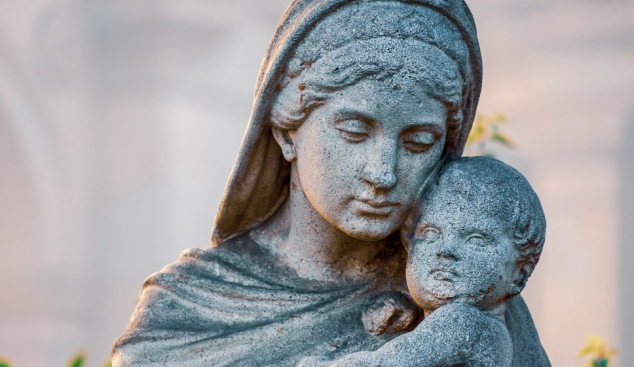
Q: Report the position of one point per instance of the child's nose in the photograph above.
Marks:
(447, 250)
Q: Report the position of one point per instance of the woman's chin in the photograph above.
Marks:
(366, 228)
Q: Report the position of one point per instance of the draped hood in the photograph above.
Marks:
(258, 183)
(236, 303)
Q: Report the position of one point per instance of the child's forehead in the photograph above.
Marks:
(466, 206)
(454, 196)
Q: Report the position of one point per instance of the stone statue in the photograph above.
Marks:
(359, 104)
(479, 234)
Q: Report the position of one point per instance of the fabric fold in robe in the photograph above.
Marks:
(237, 305)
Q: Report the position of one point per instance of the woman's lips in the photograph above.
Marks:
(375, 207)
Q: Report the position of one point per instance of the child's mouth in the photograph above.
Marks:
(443, 274)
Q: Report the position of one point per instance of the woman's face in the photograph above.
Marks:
(363, 157)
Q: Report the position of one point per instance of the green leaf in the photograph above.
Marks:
(502, 139)
(78, 360)
(108, 363)
(476, 135)
(4, 362)
(498, 118)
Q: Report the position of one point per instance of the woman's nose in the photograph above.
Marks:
(380, 170)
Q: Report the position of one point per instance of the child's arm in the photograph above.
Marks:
(453, 335)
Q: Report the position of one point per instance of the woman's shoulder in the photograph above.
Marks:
(528, 350)
(239, 261)
(236, 246)
(234, 261)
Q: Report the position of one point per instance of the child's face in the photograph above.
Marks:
(461, 251)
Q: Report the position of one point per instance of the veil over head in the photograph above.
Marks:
(239, 304)
(258, 183)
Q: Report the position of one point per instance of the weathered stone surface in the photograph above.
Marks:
(478, 235)
(453, 335)
(358, 105)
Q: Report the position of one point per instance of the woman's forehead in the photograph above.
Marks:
(387, 100)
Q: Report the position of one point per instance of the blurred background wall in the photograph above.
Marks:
(120, 121)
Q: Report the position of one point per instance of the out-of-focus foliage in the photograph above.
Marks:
(78, 360)
(599, 352)
(485, 130)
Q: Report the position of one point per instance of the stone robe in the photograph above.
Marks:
(237, 305)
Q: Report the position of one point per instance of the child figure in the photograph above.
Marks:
(472, 246)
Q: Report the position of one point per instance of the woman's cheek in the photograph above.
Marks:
(345, 160)
(327, 168)
(411, 180)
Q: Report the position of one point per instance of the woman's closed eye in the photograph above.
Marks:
(418, 141)
(354, 131)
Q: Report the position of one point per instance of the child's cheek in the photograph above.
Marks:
(485, 272)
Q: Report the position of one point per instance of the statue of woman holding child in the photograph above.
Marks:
(359, 104)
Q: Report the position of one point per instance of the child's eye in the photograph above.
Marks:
(428, 234)
(478, 239)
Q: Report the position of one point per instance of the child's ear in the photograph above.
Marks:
(520, 277)
(405, 242)
(405, 236)
(408, 229)
(286, 143)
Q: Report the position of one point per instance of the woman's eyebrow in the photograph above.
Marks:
(349, 111)
(427, 127)
(353, 114)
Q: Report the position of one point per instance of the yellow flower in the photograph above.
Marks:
(597, 348)
(486, 128)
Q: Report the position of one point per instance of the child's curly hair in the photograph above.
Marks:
(495, 187)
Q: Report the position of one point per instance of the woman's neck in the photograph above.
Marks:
(316, 249)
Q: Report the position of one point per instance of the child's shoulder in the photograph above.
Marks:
(463, 322)
(457, 312)
(468, 332)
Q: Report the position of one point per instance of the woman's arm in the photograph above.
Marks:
(453, 335)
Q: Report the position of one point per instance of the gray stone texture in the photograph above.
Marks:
(120, 122)
(453, 335)
(358, 105)
(473, 242)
